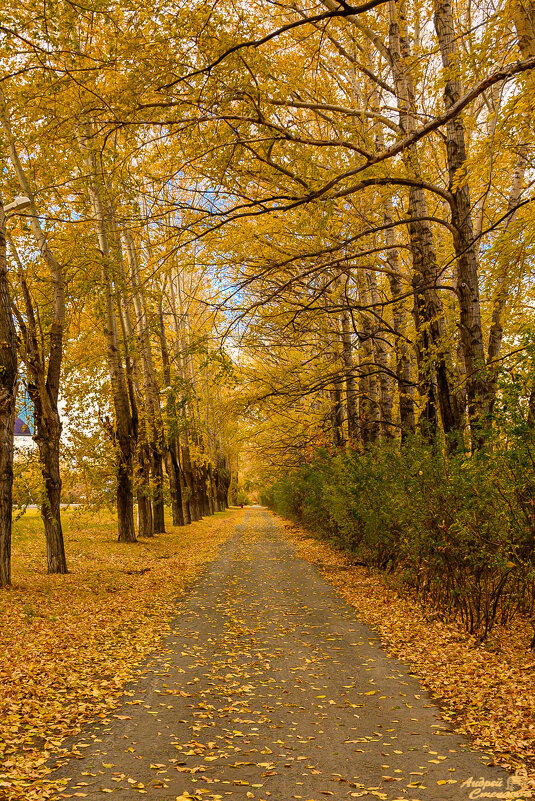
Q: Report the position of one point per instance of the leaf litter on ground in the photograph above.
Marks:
(70, 643)
(486, 691)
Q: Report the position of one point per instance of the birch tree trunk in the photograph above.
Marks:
(124, 430)
(465, 248)
(152, 393)
(429, 313)
(138, 412)
(198, 489)
(403, 363)
(523, 12)
(337, 414)
(190, 505)
(369, 412)
(145, 522)
(8, 381)
(353, 432)
(381, 359)
(399, 314)
(171, 460)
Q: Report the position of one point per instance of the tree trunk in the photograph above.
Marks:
(353, 432)
(401, 348)
(124, 431)
(523, 13)
(47, 437)
(224, 483)
(8, 380)
(212, 502)
(152, 393)
(173, 471)
(191, 483)
(187, 477)
(145, 523)
(215, 489)
(531, 410)
(185, 488)
(125, 502)
(233, 486)
(158, 507)
(337, 414)
(45, 380)
(381, 359)
(502, 285)
(369, 413)
(429, 313)
(206, 511)
(171, 461)
(461, 217)
(43, 389)
(197, 492)
(428, 419)
(144, 516)
(403, 364)
(141, 476)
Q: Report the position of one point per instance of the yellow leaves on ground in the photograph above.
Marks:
(71, 642)
(485, 691)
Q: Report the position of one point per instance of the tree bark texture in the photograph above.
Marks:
(463, 239)
(381, 359)
(403, 363)
(429, 314)
(124, 430)
(144, 504)
(351, 394)
(523, 12)
(172, 460)
(369, 411)
(151, 389)
(8, 380)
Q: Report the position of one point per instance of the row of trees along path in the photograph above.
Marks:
(292, 207)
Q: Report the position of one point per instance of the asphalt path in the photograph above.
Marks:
(268, 687)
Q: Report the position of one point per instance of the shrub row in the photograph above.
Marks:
(459, 530)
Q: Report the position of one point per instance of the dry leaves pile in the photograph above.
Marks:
(485, 691)
(69, 643)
